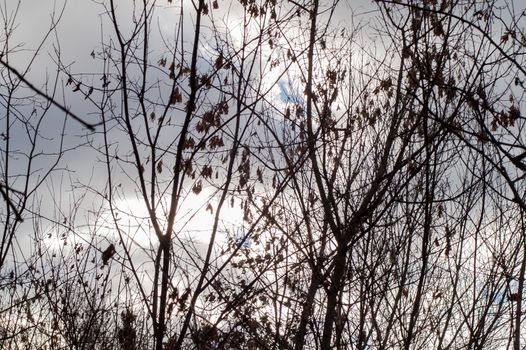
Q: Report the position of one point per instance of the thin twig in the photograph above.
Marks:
(91, 127)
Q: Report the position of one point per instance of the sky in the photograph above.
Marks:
(81, 26)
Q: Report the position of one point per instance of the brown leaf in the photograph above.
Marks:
(187, 167)
(172, 71)
(216, 142)
(176, 96)
(90, 91)
(160, 166)
(190, 106)
(206, 172)
(219, 62)
(107, 254)
(259, 175)
(514, 113)
(189, 143)
(197, 187)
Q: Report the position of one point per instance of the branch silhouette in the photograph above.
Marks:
(90, 126)
(9, 202)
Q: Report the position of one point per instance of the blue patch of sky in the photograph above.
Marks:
(287, 93)
(242, 240)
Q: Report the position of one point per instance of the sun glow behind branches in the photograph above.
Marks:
(194, 219)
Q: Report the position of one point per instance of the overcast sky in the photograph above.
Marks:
(81, 29)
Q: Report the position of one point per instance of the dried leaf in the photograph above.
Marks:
(216, 142)
(187, 167)
(176, 96)
(219, 61)
(206, 172)
(189, 143)
(514, 113)
(198, 187)
(108, 254)
(90, 91)
(259, 175)
(171, 69)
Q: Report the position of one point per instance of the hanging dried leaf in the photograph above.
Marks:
(494, 124)
(171, 69)
(206, 172)
(189, 143)
(190, 106)
(176, 96)
(223, 107)
(287, 113)
(187, 167)
(219, 61)
(90, 91)
(183, 299)
(514, 113)
(216, 142)
(198, 187)
(107, 254)
(259, 175)
(160, 166)
(205, 80)
(440, 210)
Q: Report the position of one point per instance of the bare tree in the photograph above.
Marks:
(270, 176)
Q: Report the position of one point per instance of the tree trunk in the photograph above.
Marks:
(332, 298)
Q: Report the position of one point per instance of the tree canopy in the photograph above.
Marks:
(262, 174)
